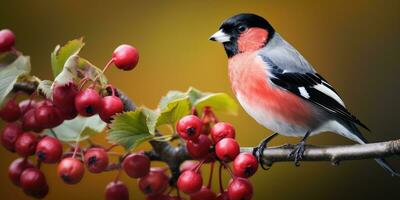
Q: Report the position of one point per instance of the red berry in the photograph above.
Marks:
(7, 40)
(222, 130)
(38, 194)
(70, 170)
(29, 122)
(227, 149)
(9, 136)
(26, 105)
(136, 165)
(96, 160)
(245, 165)
(223, 196)
(64, 99)
(154, 183)
(110, 105)
(188, 165)
(49, 150)
(204, 194)
(190, 182)
(117, 190)
(26, 144)
(32, 179)
(189, 127)
(17, 167)
(11, 111)
(88, 102)
(200, 148)
(240, 189)
(125, 57)
(48, 116)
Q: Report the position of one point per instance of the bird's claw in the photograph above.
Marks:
(297, 153)
(259, 150)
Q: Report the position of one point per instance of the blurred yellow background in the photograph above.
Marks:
(353, 44)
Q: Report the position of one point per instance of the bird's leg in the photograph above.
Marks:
(299, 149)
(259, 150)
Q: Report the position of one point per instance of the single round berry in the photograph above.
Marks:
(88, 102)
(245, 165)
(17, 167)
(189, 127)
(200, 148)
(136, 165)
(227, 149)
(222, 130)
(26, 144)
(204, 194)
(110, 105)
(26, 105)
(240, 189)
(48, 116)
(39, 193)
(29, 122)
(189, 165)
(125, 57)
(32, 179)
(190, 182)
(117, 190)
(9, 136)
(49, 150)
(70, 170)
(96, 160)
(11, 111)
(64, 99)
(153, 183)
(7, 40)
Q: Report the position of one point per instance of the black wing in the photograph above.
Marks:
(311, 87)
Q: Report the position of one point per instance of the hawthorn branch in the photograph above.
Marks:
(173, 156)
(333, 154)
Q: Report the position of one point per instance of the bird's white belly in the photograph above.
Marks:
(270, 120)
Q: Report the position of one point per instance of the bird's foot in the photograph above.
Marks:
(259, 150)
(298, 152)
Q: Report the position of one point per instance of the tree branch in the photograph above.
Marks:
(334, 154)
(174, 156)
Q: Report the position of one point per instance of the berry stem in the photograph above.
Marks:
(76, 145)
(221, 188)
(104, 69)
(211, 175)
(116, 179)
(228, 169)
(111, 147)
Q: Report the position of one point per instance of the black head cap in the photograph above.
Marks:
(239, 23)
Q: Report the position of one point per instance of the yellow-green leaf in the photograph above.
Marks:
(61, 54)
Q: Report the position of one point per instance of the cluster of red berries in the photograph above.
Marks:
(27, 119)
(208, 141)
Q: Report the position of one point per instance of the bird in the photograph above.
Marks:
(280, 89)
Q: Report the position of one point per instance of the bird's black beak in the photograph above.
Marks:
(220, 36)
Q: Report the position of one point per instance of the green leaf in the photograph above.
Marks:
(45, 88)
(151, 119)
(171, 96)
(9, 75)
(80, 127)
(61, 54)
(77, 68)
(130, 129)
(174, 111)
(218, 102)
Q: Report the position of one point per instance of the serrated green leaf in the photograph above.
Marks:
(171, 96)
(77, 68)
(218, 102)
(61, 54)
(80, 127)
(174, 111)
(129, 129)
(9, 75)
(151, 119)
(45, 88)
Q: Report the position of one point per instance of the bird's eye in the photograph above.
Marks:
(242, 28)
